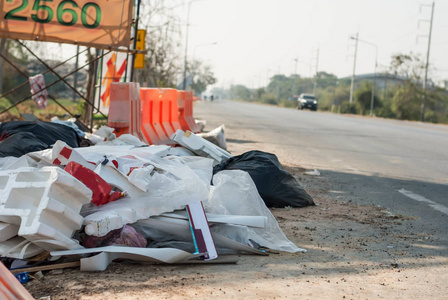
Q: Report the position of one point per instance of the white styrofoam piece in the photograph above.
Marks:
(101, 150)
(169, 190)
(199, 145)
(45, 203)
(180, 151)
(109, 253)
(141, 177)
(8, 231)
(61, 154)
(112, 176)
(200, 230)
(251, 221)
(19, 248)
(115, 215)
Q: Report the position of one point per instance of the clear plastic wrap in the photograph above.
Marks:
(235, 193)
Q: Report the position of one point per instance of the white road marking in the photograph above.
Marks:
(419, 198)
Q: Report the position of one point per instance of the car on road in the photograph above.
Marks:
(307, 101)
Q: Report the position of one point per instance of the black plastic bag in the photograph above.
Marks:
(44, 133)
(276, 186)
(21, 143)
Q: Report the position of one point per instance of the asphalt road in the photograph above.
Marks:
(402, 166)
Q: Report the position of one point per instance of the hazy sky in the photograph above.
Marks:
(259, 38)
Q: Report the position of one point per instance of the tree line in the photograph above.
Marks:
(398, 92)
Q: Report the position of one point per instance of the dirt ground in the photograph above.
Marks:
(354, 252)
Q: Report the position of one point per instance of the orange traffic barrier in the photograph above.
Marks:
(157, 116)
(174, 112)
(167, 97)
(124, 110)
(185, 108)
(189, 113)
(146, 97)
(181, 95)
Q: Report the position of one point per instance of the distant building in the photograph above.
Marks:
(382, 80)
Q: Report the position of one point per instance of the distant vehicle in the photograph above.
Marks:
(307, 101)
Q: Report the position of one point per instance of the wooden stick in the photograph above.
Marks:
(47, 267)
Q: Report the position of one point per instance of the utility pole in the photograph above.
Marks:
(354, 68)
(294, 78)
(315, 77)
(374, 72)
(425, 82)
(186, 44)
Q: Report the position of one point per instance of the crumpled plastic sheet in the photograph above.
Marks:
(69, 123)
(235, 193)
(172, 189)
(202, 166)
(12, 163)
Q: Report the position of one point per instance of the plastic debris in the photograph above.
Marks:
(45, 203)
(108, 254)
(200, 146)
(216, 136)
(167, 200)
(11, 288)
(314, 172)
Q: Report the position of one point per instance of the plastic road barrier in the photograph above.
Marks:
(168, 98)
(151, 116)
(125, 111)
(185, 107)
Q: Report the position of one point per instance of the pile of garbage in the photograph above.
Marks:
(189, 201)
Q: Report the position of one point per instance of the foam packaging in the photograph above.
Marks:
(45, 203)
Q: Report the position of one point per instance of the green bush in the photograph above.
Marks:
(349, 108)
(268, 98)
(431, 116)
(288, 104)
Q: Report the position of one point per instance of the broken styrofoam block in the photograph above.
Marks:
(61, 154)
(101, 189)
(101, 150)
(141, 177)
(8, 231)
(45, 203)
(171, 187)
(110, 253)
(124, 211)
(116, 179)
(200, 146)
(19, 248)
